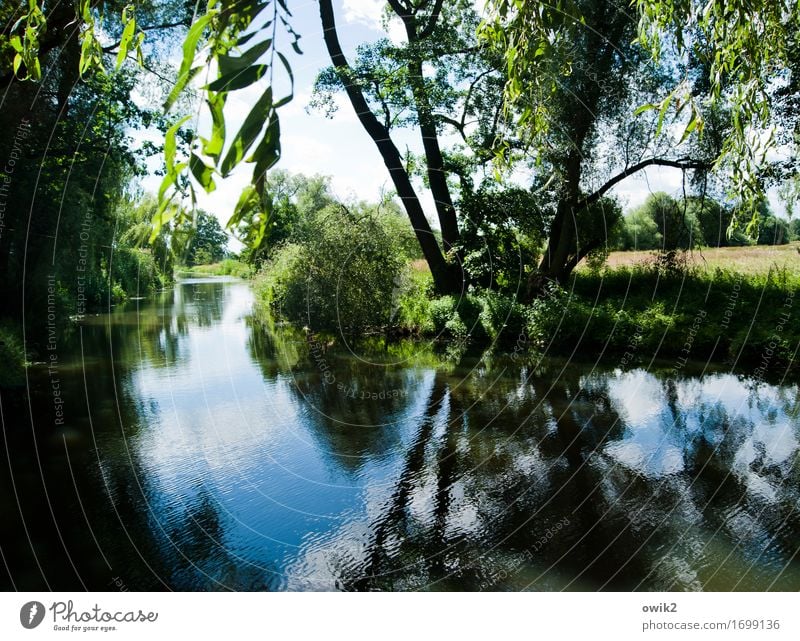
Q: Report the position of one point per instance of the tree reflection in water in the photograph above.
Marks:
(662, 483)
(205, 448)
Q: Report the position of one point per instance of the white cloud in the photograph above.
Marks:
(366, 12)
(369, 13)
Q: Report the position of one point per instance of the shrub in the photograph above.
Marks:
(12, 355)
(413, 313)
(133, 273)
(502, 317)
(344, 276)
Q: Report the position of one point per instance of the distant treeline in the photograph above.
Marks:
(667, 223)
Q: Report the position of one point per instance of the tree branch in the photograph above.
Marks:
(435, 13)
(401, 9)
(155, 27)
(683, 164)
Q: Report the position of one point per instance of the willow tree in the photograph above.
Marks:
(68, 155)
(573, 98)
(733, 58)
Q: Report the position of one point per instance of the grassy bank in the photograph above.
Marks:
(227, 267)
(631, 314)
(724, 315)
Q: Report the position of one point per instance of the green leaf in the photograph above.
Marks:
(248, 200)
(170, 144)
(696, 122)
(180, 86)
(268, 151)
(248, 133)
(238, 79)
(165, 213)
(643, 108)
(232, 64)
(189, 48)
(287, 67)
(202, 173)
(214, 145)
(662, 113)
(125, 41)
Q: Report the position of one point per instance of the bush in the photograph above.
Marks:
(503, 318)
(458, 318)
(413, 314)
(12, 355)
(346, 275)
(133, 273)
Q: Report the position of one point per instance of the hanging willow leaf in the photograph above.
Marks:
(170, 145)
(239, 79)
(232, 64)
(186, 72)
(202, 173)
(219, 34)
(212, 147)
(248, 133)
(127, 37)
(268, 151)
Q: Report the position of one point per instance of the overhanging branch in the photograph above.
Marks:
(683, 164)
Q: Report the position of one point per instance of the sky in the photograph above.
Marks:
(339, 147)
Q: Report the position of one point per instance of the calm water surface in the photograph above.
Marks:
(201, 451)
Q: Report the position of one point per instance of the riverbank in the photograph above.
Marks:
(629, 314)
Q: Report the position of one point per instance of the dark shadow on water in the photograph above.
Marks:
(206, 449)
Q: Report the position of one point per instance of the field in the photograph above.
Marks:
(745, 260)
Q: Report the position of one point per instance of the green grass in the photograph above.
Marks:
(636, 313)
(227, 267)
(719, 314)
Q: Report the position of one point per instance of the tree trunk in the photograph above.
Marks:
(433, 158)
(444, 276)
(558, 260)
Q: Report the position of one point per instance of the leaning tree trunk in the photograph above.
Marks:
(444, 276)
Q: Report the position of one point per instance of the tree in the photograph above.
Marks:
(208, 241)
(733, 56)
(343, 275)
(64, 241)
(390, 86)
(640, 230)
(295, 198)
(502, 234)
(677, 227)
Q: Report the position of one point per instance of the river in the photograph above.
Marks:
(200, 451)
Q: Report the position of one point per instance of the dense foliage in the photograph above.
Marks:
(207, 241)
(570, 98)
(345, 272)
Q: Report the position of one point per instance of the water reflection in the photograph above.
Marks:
(231, 455)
